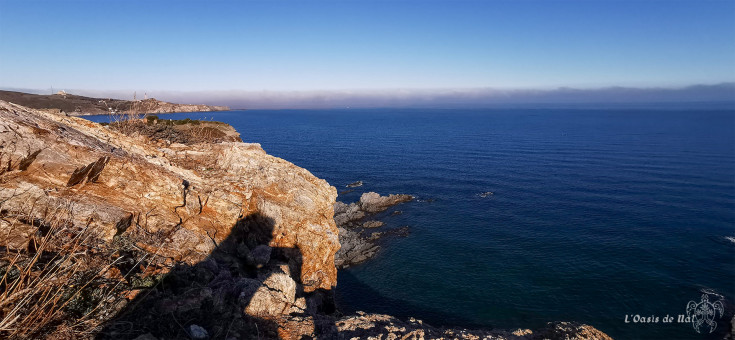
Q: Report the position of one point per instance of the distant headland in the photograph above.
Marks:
(75, 105)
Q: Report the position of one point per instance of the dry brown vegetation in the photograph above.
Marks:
(59, 275)
(64, 283)
(184, 131)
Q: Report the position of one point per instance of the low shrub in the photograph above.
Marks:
(151, 119)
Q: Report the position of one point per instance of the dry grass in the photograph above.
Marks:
(204, 133)
(126, 121)
(184, 131)
(58, 284)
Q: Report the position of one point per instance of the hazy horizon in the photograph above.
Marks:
(269, 54)
(723, 93)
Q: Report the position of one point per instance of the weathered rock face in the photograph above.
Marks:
(274, 296)
(176, 202)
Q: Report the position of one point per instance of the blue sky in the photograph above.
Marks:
(318, 45)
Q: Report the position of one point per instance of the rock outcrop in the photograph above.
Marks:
(177, 203)
(359, 244)
(379, 326)
(191, 196)
(153, 105)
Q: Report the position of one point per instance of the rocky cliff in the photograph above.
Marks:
(112, 235)
(193, 195)
(177, 202)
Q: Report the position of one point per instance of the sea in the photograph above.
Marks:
(620, 218)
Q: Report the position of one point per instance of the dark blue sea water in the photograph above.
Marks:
(595, 214)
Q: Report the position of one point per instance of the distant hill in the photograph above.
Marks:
(79, 105)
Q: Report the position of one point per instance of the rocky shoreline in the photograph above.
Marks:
(358, 240)
(112, 235)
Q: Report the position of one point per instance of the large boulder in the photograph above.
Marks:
(272, 297)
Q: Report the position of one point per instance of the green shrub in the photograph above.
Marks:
(151, 119)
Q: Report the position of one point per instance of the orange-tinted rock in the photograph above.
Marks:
(175, 201)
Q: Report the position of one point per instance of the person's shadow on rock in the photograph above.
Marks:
(242, 290)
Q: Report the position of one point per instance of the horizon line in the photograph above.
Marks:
(723, 92)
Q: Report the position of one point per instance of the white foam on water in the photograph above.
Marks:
(710, 291)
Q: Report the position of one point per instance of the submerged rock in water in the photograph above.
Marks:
(354, 184)
(372, 224)
(345, 192)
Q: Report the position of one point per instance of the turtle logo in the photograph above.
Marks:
(703, 313)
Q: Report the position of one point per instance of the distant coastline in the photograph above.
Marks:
(75, 105)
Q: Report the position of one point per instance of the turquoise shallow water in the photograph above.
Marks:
(596, 214)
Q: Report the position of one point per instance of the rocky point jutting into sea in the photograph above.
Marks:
(115, 235)
(75, 105)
